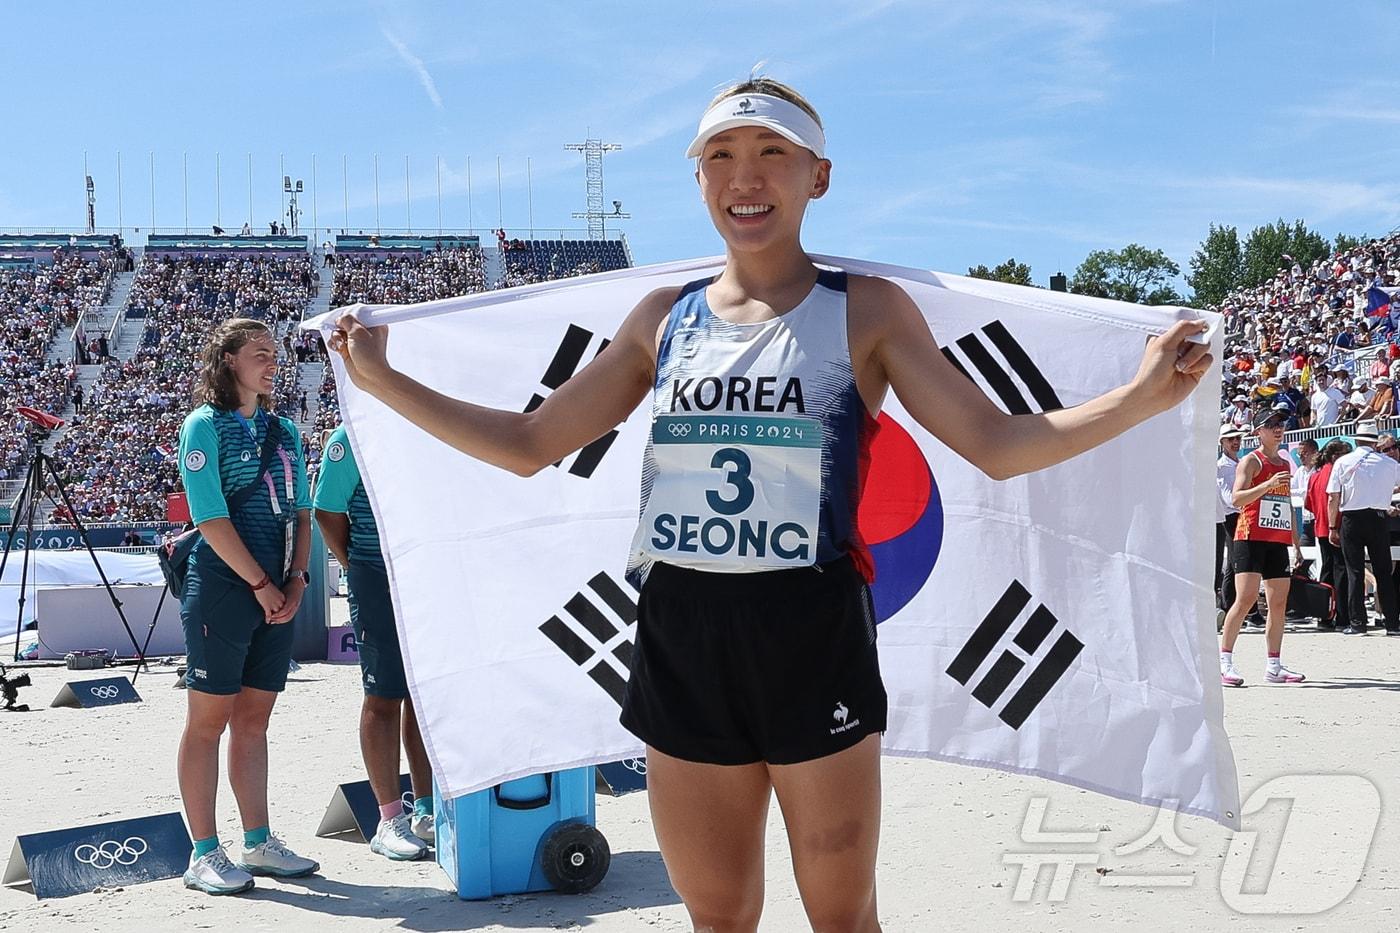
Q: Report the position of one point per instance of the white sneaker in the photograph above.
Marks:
(213, 873)
(425, 828)
(395, 840)
(1284, 676)
(274, 858)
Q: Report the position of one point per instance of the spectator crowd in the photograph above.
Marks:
(409, 278)
(1305, 344)
(36, 304)
(119, 456)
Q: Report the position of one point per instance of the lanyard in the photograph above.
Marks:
(252, 431)
(281, 454)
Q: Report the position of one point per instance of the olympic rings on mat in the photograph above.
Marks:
(109, 853)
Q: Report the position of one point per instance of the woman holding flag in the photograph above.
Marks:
(781, 620)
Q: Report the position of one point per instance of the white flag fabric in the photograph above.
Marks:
(1057, 624)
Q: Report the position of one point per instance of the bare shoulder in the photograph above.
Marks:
(877, 308)
(647, 320)
(657, 302)
(872, 294)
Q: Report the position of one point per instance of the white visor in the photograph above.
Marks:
(782, 117)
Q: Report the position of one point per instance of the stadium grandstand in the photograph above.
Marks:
(1329, 328)
(107, 334)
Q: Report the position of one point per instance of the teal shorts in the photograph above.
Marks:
(227, 640)
(372, 617)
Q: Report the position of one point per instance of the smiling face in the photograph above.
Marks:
(254, 366)
(756, 185)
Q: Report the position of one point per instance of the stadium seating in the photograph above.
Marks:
(541, 260)
(407, 274)
(38, 302)
(1313, 318)
(118, 457)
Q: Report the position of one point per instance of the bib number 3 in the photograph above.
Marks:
(734, 492)
(739, 470)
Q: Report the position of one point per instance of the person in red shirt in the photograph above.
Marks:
(1263, 533)
(1332, 569)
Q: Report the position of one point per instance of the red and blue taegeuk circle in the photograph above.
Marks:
(900, 518)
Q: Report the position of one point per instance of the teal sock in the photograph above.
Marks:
(203, 847)
(423, 806)
(254, 837)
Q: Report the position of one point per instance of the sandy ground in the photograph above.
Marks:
(948, 829)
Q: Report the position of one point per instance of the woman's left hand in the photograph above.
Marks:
(1172, 367)
(293, 592)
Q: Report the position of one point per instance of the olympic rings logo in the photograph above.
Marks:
(107, 854)
(679, 430)
(104, 692)
(635, 765)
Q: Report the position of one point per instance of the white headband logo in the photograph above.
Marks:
(745, 107)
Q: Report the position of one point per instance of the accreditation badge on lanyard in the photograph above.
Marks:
(735, 492)
(288, 525)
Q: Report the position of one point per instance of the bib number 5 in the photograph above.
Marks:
(740, 468)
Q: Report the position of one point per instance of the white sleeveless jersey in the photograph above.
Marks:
(759, 440)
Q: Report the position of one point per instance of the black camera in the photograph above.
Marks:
(9, 689)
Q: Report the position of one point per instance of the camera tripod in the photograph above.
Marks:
(25, 506)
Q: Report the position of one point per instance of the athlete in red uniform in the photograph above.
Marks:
(1260, 550)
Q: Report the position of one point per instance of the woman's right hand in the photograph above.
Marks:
(364, 350)
(271, 599)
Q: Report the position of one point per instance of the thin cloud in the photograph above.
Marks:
(415, 64)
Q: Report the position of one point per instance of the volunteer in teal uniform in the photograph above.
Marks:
(244, 585)
(347, 523)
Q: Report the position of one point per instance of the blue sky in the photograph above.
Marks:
(961, 132)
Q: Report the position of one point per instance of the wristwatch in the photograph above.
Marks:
(303, 575)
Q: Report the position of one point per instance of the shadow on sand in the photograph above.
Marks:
(636, 879)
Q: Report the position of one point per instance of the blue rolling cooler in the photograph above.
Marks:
(532, 834)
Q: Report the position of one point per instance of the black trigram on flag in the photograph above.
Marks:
(1029, 639)
(565, 363)
(599, 643)
(974, 348)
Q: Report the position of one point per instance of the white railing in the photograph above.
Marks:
(73, 335)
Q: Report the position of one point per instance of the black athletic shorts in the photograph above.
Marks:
(372, 618)
(734, 668)
(1268, 558)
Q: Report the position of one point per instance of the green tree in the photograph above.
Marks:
(1010, 272)
(1133, 273)
(1217, 267)
(1266, 247)
(1346, 241)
